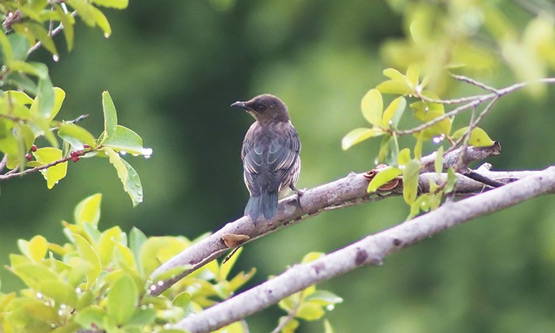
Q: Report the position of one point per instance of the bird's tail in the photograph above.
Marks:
(263, 204)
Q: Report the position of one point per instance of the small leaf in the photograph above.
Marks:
(84, 10)
(372, 107)
(41, 34)
(383, 177)
(91, 315)
(324, 298)
(117, 4)
(136, 241)
(101, 21)
(311, 256)
(310, 311)
(37, 248)
(404, 156)
(124, 139)
(110, 115)
(20, 45)
(226, 267)
(122, 299)
(88, 210)
(478, 137)
(7, 53)
(54, 173)
(76, 136)
(438, 162)
(127, 175)
(451, 180)
(358, 135)
(59, 291)
(410, 181)
(59, 96)
(389, 149)
(67, 21)
(394, 112)
(87, 252)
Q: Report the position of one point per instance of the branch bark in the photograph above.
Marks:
(369, 251)
(347, 191)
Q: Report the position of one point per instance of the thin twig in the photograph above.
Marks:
(473, 82)
(3, 162)
(11, 174)
(291, 315)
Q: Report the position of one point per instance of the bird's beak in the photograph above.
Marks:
(241, 105)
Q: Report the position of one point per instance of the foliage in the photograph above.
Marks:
(309, 304)
(28, 110)
(98, 281)
(430, 56)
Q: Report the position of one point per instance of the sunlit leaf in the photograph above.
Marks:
(37, 248)
(478, 137)
(54, 173)
(87, 253)
(67, 21)
(372, 107)
(310, 311)
(118, 4)
(410, 181)
(404, 156)
(383, 177)
(438, 162)
(358, 135)
(88, 210)
(393, 113)
(76, 135)
(110, 115)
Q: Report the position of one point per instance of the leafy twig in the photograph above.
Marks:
(51, 33)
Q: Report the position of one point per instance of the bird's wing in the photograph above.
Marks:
(267, 163)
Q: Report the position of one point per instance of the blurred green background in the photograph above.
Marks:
(174, 67)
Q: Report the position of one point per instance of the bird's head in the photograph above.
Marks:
(265, 108)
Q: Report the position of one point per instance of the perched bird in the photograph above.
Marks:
(270, 155)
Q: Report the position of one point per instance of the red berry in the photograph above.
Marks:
(75, 158)
(33, 148)
(73, 154)
(86, 146)
(28, 157)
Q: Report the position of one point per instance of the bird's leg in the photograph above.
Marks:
(299, 195)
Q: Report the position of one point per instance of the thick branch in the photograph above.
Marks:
(347, 191)
(369, 251)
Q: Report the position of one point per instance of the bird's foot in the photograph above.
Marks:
(299, 195)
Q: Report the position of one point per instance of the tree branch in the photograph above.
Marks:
(348, 191)
(368, 251)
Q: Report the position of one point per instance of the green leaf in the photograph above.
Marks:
(358, 135)
(7, 52)
(372, 107)
(383, 177)
(123, 299)
(59, 291)
(451, 180)
(311, 256)
(226, 267)
(327, 327)
(127, 175)
(91, 315)
(478, 137)
(106, 244)
(102, 22)
(84, 10)
(87, 253)
(37, 248)
(20, 45)
(389, 149)
(33, 274)
(404, 156)
(41, 34)
(67, 21)
(54, 173)
(124, 139)
(117, 4)
(59, 96)
(410, 181)
(88, 210)
(143, 317)
(324, 298)
(46, 97)
(438, 162)
(310, 311)
(394, 112)
(136, 241)
(76, 136)
(398, 84)
(110, 115)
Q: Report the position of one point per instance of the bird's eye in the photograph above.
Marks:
(260, 107)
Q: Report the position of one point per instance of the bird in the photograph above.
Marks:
(270, 155)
